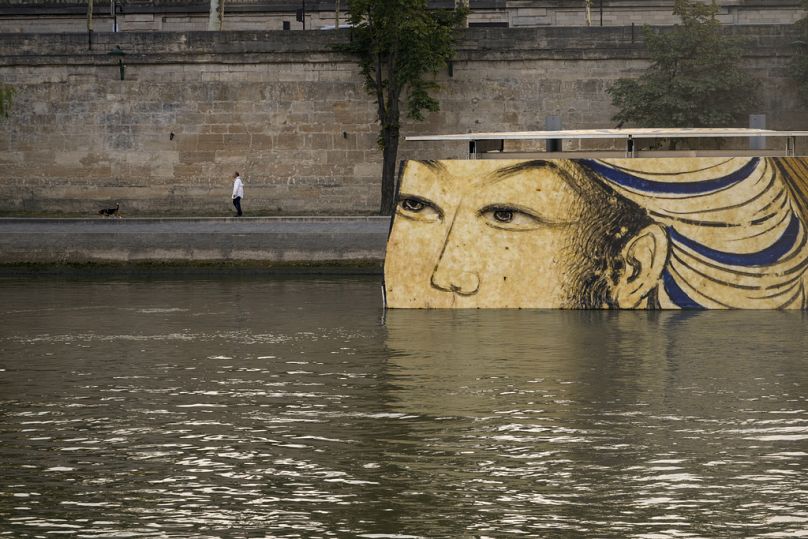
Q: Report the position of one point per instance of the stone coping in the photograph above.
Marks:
(147, 220)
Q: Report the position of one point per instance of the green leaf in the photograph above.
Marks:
(694, 80)
(799, 62)
(399, 46)
(6, 98)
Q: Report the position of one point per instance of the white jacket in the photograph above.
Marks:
(238, 188)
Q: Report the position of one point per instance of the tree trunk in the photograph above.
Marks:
(390, 156)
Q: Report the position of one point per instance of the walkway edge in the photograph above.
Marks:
(303, 243)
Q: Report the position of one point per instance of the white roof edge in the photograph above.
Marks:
(612, 133)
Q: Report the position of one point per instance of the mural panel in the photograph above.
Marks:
(669, 233)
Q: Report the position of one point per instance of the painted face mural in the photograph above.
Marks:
(617, 233)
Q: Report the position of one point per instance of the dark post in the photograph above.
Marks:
(601, 12)
(120, 54)
(117, 7)
(90, 24)
(300, 15)
(553, 123)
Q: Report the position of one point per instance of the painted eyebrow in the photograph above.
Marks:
(506, 172)
(434, 166)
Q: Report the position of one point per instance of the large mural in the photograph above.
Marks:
(660, 233)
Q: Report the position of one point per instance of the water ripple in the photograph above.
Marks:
(291, 411)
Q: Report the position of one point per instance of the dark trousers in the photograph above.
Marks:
(237, 204)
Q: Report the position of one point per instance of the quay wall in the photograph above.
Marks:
(301, 242)
(290, 113)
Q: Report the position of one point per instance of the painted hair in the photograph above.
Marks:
(736, 226)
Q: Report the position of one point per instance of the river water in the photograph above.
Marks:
(296, 407)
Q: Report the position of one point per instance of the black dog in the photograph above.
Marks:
(109, 212)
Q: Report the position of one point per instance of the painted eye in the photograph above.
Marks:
(503, 216)
(510, 218)
(418, 209)
(412, 204)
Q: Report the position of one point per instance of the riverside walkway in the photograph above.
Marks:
(280, 242)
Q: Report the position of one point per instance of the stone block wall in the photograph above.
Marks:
(287, 112)
(291, 116)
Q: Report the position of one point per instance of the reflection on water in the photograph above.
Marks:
(295, 407)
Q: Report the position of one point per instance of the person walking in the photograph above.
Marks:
(238, 193)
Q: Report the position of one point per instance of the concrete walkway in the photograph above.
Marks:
(261, 241)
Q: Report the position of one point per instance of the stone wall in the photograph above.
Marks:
(287, 112)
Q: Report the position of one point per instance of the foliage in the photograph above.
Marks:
(694, 80)
(799, 63)
(6, 96)
(400, 45)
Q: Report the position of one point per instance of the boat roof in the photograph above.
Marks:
(696, 132)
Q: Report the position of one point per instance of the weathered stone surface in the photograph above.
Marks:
(289, 113)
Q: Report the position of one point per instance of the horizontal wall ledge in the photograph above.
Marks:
(263, 241)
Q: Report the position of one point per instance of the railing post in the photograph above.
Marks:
(757, 121)
(553, 123)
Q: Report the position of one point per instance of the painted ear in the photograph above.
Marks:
(644, 259)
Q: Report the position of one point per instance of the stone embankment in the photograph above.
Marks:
(304, 243)
(291, 114)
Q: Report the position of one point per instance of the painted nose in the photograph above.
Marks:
(465, 283)
(454, 271)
